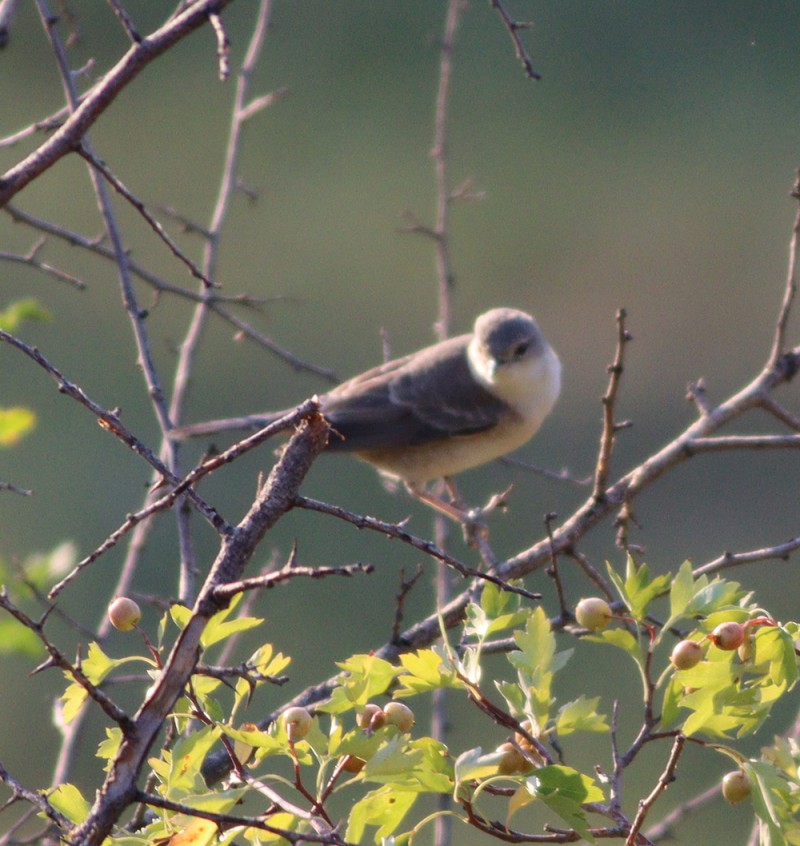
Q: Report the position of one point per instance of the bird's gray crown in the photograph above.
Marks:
(505, 333)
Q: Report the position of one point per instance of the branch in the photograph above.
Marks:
(69, 135)
(274, 499)
(513, 28)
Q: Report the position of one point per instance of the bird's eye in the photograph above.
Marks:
(521, 349)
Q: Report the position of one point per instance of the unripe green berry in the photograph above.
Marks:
(686, 654)
(297, 721)
(735, 786)
(593, 613)
(400, 715)
(124, 613)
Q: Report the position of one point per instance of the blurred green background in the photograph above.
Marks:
(650, 169)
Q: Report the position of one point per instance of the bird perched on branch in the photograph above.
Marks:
(446, 408)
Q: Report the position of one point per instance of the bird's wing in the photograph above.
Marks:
(427, 396)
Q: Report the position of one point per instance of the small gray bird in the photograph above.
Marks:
(446, 408)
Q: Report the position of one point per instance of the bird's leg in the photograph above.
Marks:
(446, 508)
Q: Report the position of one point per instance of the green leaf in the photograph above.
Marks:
(68, 800)
(28, 309)
(474, 764)
(564, 790)
(537, 645)
(15, 423)
(640, 589)
(383, 808)
(426, 670)
(580, 715)
(621, 638)
(682, 591)
(108, 748)
(182, 776)
(364, 677)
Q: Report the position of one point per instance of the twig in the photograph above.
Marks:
(664, 780)
(396, 531)
(270, 580)
(734, 559)
(35, 798)
(211, 299)
(439, 154)
(56, 659)
(123, 191)
(513, 28)
(610, 426)
(31, 260)
(7, 486)
(65, 139)
(406, 586)
(125, 19)
(779, 342)
(182, 486)
(274, 499)
(223, 47)
(157, 801)
(664, 829)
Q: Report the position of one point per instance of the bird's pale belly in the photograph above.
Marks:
(419, 464)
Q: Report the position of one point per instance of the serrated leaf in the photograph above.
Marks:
(537, 644)
(364, 677)
(69, 801)
(216, 632)
(640, 589)
(15, 423)
(426, 670)
(621, 638)
(474, 764)
(383, 808)
(564, 790)
(580, 715)
(682, 591)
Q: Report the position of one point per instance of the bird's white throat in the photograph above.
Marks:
(530, 385)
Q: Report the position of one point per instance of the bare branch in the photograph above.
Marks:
(779, 343)
(67, 137)
(734, 559)
(664, 780)
(123, 191)
(610, 426)
(513, 28)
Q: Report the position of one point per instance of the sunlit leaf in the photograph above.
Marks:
(69, 801)
(580, 715)
(15, 423)
(27, 309)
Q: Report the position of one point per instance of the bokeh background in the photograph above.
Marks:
(649, 169)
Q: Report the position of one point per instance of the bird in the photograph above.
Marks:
(449, 407)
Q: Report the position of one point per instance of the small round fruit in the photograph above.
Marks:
(400, 715)
(512, 762)
(353, 764)
(297, 721)
(372, 717)
(593, 613)
(735, 786)
(525, 744)
(686, 654)
(728, 636)
(124, 614)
